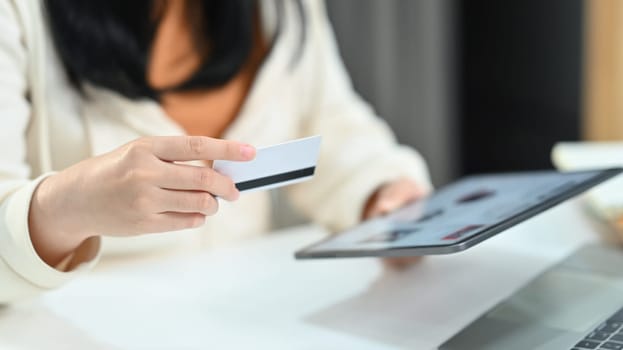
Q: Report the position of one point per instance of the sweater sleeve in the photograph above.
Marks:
(22, 272)
(359, 152)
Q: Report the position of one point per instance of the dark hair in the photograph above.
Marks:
(107, 42)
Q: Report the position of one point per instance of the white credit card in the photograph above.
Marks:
(274, 166)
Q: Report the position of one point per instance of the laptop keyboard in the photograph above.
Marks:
(608, 335)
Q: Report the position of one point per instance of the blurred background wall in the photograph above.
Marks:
(603, 86)
(475, 85)
(401, 57)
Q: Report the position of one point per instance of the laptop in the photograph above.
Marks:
(576, 304)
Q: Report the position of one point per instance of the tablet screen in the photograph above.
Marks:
(462, 210)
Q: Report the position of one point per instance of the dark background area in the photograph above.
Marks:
(520, 81)
(475, 85)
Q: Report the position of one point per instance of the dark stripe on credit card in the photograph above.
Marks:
(273, 179)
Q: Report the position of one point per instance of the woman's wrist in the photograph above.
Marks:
(51, 235)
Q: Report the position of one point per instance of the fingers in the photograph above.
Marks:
(196, 178)
(393, 196)
(187, 202)
(166, 222)
(170, 210)
(401, 190)
(388, 202)
(187, 148)
(402, 262)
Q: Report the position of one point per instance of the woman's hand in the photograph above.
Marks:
(388, 198)
(136, 189)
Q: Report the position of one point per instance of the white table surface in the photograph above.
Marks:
(257, 296)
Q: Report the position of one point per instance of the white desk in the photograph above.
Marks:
(257, 296)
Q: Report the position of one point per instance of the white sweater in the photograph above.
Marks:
(46, 126)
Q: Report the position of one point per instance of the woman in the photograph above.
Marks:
(104, 101)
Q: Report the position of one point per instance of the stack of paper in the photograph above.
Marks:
(606, 199)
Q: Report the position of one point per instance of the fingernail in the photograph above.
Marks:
(247, 151)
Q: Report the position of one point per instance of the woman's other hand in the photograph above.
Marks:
(136, 189)
(388, 198)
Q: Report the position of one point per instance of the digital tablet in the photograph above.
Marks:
(458, 216)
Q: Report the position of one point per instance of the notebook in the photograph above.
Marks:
(606, 200)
